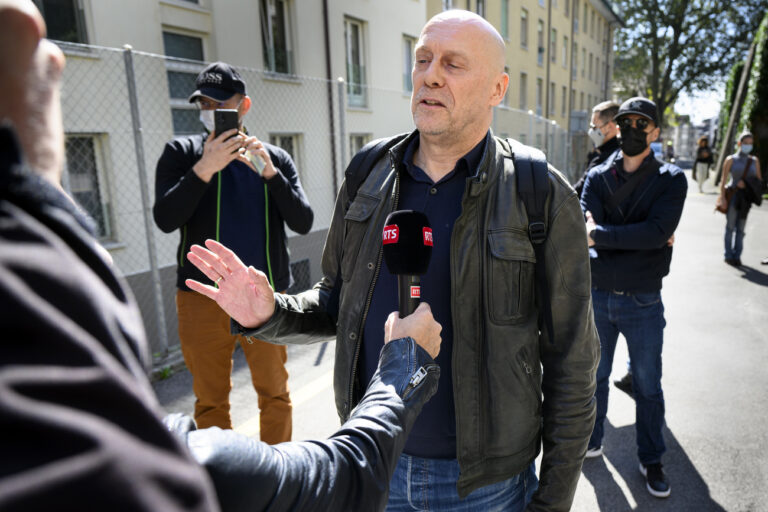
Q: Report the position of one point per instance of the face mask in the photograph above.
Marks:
(746, 148)
(633, 141)
(206, 117)
(597, 136)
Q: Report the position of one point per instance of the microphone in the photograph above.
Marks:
(407, 240)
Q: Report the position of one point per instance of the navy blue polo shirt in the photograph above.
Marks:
(434, 433)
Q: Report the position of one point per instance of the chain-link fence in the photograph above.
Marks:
(120, 108)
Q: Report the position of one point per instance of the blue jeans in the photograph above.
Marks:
(734, 233)
(640, 318)
(430, 484)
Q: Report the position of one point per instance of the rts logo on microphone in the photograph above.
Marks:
(427, 236)
(391, 234)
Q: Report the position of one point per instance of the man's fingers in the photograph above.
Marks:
(211, 259)
(227, 256)
(204, 267)
(208, 291)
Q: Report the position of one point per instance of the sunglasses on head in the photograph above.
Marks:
(626, 122)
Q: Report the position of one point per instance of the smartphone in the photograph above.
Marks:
(225, 119)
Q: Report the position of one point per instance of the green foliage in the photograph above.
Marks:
(671, 46)
(730, 95)
(165, 372)
(754, 113)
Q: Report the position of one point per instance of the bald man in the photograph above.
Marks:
(473, 447)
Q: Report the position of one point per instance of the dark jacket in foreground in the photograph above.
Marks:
(505, 363)
(631, 252)
(348, 471)
(79, 422)
(184, 201)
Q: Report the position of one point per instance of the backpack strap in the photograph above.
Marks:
(363, 162)
(532, 175)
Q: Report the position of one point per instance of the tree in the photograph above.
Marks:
(671, 46)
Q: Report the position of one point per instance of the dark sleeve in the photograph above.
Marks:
(177, 188)
(288, 193)
(79, 422)
(569, 360)
(349, 471)
(590, 196)
(657, 227)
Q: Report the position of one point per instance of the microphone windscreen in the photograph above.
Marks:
(407, 240)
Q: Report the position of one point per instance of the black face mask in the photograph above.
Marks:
(633, 141)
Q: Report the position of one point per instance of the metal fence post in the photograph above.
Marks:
(342, 125)
(130, 79)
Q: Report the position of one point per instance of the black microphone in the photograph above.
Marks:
(407, 240)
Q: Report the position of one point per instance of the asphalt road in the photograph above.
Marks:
(715, 382)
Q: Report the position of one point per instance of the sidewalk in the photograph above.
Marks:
(715, 380)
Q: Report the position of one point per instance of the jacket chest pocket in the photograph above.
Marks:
(356, 227)
(510, 276)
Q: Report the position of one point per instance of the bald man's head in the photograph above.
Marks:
(491, 38)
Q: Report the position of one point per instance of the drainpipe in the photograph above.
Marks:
(329, 80)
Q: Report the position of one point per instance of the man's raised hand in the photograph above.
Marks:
(243, 292)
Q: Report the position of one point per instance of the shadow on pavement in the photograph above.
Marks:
(753, 275)
(689, 491)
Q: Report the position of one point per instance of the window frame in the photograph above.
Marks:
(409, 43)
(81, 27)
(357, 92)
(524, 18)
(269, 52)
(523, 94)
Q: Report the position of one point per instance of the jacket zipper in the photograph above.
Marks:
(358, 340)
(416, 379)
(529, 373)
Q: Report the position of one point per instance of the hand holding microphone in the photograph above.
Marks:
(407, 240)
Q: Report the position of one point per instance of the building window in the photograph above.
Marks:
(583, 62)
(539, 94)
(581, 101)
(290, 142)
(567, 7)
(575, 60)
(591, 58)
(540, 42)
(276, 36)
(505, 100)
(357, 141)
(592, 24)
(86, 183)
(408, 44)
(447, 5)
(563, 99)
(576, 16)
(553, 45)
(573, 100)
(551, 108)
(505, 19)
(481, 8)
(542, 3)
(523, 91)
(181, 80)
(586, 20)
(355, 57)
(64, 20)
(565, 52)
(524, 28)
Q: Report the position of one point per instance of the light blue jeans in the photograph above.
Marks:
(734, 233)
(430, 484)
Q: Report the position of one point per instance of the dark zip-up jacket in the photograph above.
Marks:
(507, 364)
(79, 420)
(603, 152)
(348, 471)
(631, 252)
(184, 201)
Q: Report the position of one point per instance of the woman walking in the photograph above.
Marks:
(703, 161)
(738, 167)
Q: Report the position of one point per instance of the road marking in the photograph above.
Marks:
(302, 395)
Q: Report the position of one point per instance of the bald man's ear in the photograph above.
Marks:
(501, 82)
(21, 28)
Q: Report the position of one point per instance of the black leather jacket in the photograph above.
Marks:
(349, 471)
(515, 386)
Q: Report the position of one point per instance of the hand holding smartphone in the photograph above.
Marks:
(225, 119)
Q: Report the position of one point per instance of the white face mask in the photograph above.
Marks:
(206, 117)
(597, 136)
(746, 148)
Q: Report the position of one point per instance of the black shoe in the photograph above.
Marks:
(737, 262)
(764, 261)
(731, 261)
(625, 384)
(655, 480)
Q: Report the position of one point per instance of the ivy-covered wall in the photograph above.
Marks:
(725, 107)
(754, 113)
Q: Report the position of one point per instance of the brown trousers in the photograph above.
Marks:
(207, 346)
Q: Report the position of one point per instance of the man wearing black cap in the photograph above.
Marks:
(632, 206)
(207, 186)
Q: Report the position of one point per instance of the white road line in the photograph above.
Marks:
(302, 395)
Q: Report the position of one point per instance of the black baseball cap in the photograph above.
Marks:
(219, 81)
(640, 106)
